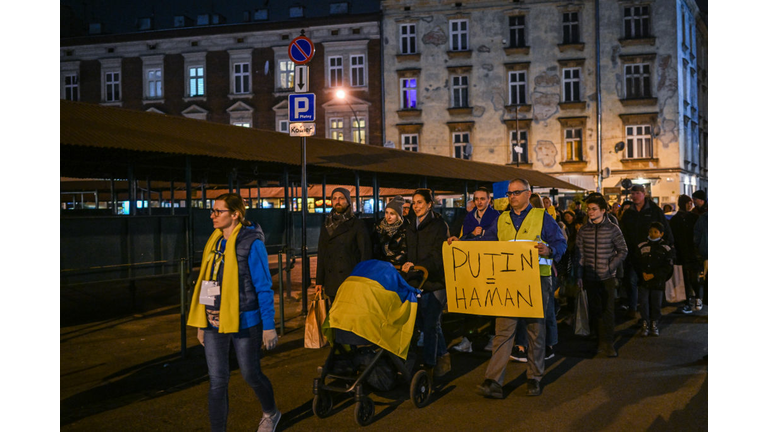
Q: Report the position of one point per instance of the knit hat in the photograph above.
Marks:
(397, 205)
(345, 192)
(700, 194)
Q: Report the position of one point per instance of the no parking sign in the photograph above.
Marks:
(301, 50)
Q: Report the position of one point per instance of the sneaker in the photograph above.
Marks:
(519, 354)
(644, 330)
(443, 365)
(464, 346)
(685, 309)
(268, 423)
(490, 389)
(654, 329)
(549, 353)
(699, 305)
(489, 346)
(421, 340)
(534, 387)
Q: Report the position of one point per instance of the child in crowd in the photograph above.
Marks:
(655, 262)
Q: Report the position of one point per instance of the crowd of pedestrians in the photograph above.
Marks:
(605, 249)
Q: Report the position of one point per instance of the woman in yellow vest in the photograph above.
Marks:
(233, 304)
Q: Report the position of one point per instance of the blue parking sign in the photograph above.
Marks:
(301, 107)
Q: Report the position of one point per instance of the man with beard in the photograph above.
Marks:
(344, 242)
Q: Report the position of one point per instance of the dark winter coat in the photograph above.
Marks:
(654, 257)
(682, 224)
(340, 252)
(425, 247)
(601, 250)
(396, 244)
(634, 224)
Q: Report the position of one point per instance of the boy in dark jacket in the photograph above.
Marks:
(654, 259)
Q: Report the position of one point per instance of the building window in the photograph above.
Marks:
(282, 126)
(639, 142)
(242, 75)
(285, 74)
(460, 91)
(112, 86)
(358, 130)
(459, 30)
(357, 70)
(637, 22)
(573, 145)
(335, 71)
(638, 80)
(339, 8)
(72, 87)
(410, 142)
(296, 12)
(517, 31)
(336, 129)
(570, 28)
(242, 124)
(515, 155)
(408, 38)
(196, 81)
(571, 85)
(517, 87)
(408, 93)
(461, 146)
(154, 83)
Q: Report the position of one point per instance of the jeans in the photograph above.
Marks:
(601, 297)
(428, 320)
(650, 303)
(247, 344)
(504, 341)
(633, 278)
(693, 289)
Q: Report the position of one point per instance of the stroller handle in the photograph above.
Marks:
(417, 268)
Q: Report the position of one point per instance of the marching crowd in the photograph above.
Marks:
(628, 248)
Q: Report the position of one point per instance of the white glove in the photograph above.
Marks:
(270, 339)
(201, 336)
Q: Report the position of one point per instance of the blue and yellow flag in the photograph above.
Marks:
(377, 304)
(500, 201)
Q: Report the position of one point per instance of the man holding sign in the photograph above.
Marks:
(524, 223)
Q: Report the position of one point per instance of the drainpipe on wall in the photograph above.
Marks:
(599, 100)
(381, 74)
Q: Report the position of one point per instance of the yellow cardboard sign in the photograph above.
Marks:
(495, 278)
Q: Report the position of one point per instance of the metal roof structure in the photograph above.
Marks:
(99, 142)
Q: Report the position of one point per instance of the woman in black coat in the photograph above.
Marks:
(425, 235)
(389, 242)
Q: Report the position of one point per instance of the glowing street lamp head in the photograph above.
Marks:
(341, 94)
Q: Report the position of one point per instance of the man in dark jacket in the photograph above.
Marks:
(682, 224)
(635, 222)
(700, 202)
(344, 242)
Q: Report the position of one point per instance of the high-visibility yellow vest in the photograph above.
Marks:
(529, 230)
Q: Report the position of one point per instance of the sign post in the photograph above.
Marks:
(301, 108)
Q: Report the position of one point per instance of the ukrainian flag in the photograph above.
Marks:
(500, 201)
(377, 304)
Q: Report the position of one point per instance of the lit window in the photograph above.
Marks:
(357, 70)
(196, 81)
(408, 93)
(285, 74)
(336, 129)
(154, 83)
(573, 145)
(358, 130)
(410, 142)
(639, 141)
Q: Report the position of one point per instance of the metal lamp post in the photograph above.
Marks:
(342, 95)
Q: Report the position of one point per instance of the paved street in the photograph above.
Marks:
(121, 371)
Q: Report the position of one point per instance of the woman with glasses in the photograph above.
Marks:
(425, 235)
(233, 304)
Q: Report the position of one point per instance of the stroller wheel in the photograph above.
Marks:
(322, 404)
(421, 388)
(364, 411)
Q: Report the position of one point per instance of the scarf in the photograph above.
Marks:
(229, 312)
(333, 220)
(389, 229)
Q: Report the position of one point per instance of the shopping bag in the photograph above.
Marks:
(581, 323)
(318, 310)
(675, 287)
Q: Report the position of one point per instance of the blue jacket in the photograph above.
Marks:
(487, 223)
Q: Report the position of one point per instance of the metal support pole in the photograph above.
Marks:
(183, 307)
(375, 197)
(599, 107)
(230, 178)
(288, 229)
(517, 132)
(324, 195)
(113, 194)
(258, 195)
(131, 192)
(466, 194)
(149, 197)
(357, 191)
(173, 199)
(188, 203)
(304, 217)
(280, 271)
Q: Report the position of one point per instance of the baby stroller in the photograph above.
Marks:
(370, 327)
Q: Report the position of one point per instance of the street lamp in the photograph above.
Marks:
(342, 95)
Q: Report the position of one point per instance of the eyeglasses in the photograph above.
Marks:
(516, 193)
(217, 212)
